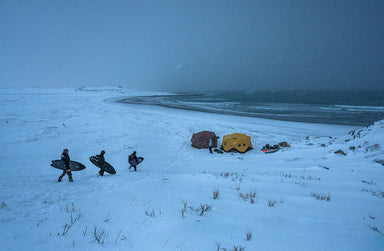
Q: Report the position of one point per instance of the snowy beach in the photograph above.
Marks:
(304, 197)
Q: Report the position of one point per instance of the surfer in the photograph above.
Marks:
(66, 159)
(101, 161)
(132, 159)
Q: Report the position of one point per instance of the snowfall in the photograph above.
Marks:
(303, 197)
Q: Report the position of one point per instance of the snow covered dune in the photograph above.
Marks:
(305, 197)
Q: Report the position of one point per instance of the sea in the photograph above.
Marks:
(343, 107)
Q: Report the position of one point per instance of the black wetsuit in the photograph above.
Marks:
(101, 161)
(66, 159)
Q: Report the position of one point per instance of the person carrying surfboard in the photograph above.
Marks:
(133, 161)
(66, 159)
(101, 161)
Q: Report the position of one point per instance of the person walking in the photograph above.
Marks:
(66, 159)
(101, 161)
(133, 161)
(210, 144)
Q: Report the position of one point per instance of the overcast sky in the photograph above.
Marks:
(193, 45)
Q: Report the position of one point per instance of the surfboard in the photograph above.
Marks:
(134, 163)
(107, 167)
(73, 165)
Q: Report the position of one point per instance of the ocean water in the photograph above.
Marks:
(348, 107)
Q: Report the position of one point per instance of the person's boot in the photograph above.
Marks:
(61, 177)
(70, 177)
(101, 173)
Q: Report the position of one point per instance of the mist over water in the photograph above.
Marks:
(352, 107)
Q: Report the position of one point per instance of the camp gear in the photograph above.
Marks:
(237, 142)
(201, 139)
(270, 149)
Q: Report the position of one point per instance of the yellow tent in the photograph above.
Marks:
(237, 142)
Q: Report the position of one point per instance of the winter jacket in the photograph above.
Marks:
(132, 159)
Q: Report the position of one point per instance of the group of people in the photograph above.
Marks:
(132, 159)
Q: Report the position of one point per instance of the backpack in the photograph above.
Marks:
(132, 160)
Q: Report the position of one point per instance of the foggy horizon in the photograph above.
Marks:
(193, 45)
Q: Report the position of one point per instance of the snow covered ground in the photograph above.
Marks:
(306, 196)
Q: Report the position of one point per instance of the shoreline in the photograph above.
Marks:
(151, 100)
